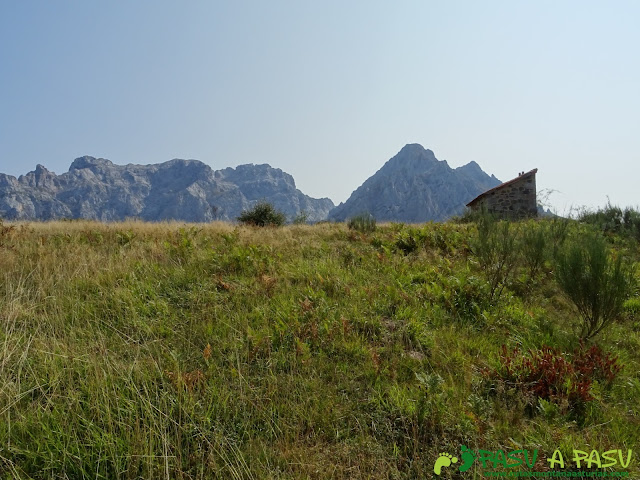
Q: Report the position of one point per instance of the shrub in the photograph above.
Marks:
(613, 219)
(262, 214)
(406, 241)
(363, 223)
(543, 373)
(550, 375)
(495, 248)
(594, 364)
(301, 218)
(558, 231)
(465, 298)
(597, 283)
(534, 241)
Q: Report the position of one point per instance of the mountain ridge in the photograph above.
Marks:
(187, 190)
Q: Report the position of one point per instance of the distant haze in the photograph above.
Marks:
(329, 91)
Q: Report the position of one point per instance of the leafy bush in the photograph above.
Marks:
(595, 281)
(363, 223)
(262, 214)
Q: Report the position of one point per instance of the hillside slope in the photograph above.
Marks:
(137, 350)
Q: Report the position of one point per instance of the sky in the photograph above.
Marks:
(329, 90)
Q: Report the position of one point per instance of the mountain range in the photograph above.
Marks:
(413, 186)
(186, 190)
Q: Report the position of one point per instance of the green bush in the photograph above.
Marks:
(595, 281)
(613, 219)
(558, 232)
(262, 214)
(534, 244)
(495, 248)
(363, 223)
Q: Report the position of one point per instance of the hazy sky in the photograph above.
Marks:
(329, 90)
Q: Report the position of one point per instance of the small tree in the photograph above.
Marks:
(595, 281)
(262, 214)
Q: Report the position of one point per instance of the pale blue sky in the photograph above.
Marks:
(329, 90)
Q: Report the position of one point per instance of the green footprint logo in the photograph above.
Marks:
(467, 458)
(444, 460)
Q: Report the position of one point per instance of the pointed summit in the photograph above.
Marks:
(415, 149)
(414, 186)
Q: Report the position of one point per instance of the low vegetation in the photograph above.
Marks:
(596, 282)
(615, 220)
(135, 350)
(363, 223)
(264, 214)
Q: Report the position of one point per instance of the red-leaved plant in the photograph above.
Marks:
(549, 374)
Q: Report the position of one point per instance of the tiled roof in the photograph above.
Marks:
(502, 185)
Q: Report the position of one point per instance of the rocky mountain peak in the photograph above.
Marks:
(415, 149)
(414, 186)
(89, 162)
(188, 190)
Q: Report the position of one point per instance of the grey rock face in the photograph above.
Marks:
(413, 187)
(185, 190)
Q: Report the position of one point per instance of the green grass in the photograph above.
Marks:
(211, 351)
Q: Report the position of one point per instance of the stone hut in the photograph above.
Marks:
(513, 199)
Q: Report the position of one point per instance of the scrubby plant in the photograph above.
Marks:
(407, 241)
(613, 219)
(464, 296)
(595, 280)
(558, 231)
(534, 244)
(262, 214)
(595, 364)
(495, 249)
(363, 223)
(301, 218)
(550, 375)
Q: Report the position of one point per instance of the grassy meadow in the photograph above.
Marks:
(137, 350)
